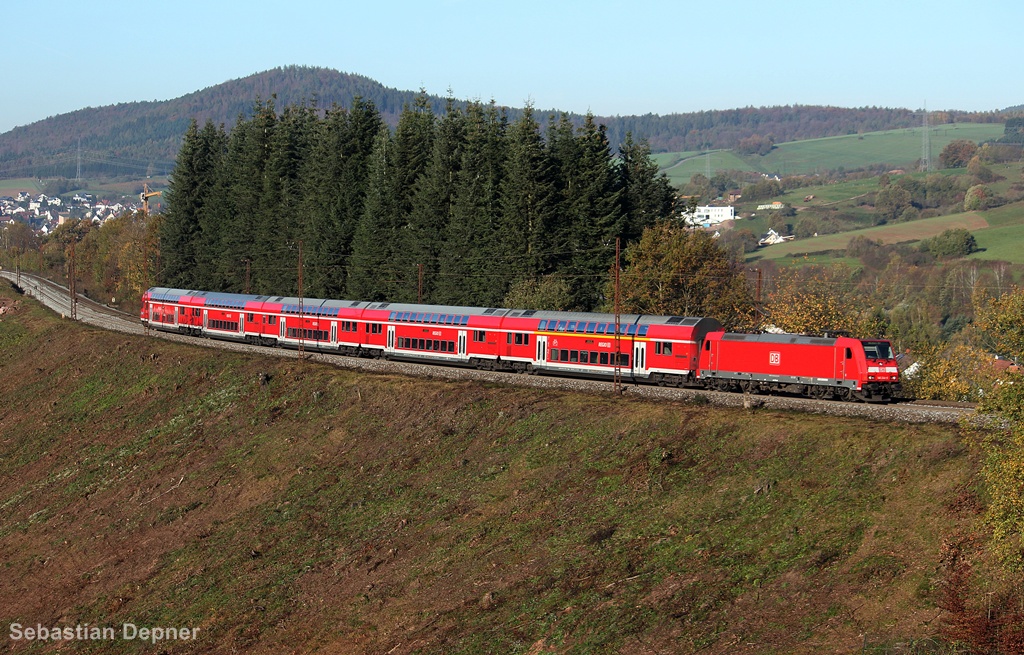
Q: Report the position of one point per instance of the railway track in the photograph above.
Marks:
(56, 298)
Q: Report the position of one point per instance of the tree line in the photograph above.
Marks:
(459, 207)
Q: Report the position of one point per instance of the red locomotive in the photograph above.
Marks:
(664, 350)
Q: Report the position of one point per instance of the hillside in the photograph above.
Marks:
(164, 485)
(142, 138)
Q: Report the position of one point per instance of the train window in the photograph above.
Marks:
(600, 328)
(437, 344)
(591, 327)
(574, 356)
(877, 350)
(519, 338)
(479, 335)
(433, 318)
(444, 346)
(508, 337)
(667, 349)
(584, 357)
(401, 342)
(561, 326)
(580, 327)
(526, 339)
(631, 330)
(272, 320)
(465, 320)
(451, 346)
(707, 346)
(196, 311)
(643, 330)
(593, 356)
(571, 327)
(553, 354)
(623, 359)
(543, 325)
(657, 347)
(849, 354)
(563, 355)
(604, 358)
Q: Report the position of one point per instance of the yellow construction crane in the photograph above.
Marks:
(146, 195)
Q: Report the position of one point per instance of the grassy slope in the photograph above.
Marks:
(161, 484)
(895, 147)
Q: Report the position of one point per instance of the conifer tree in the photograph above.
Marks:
(371, 272)
(191, 185)
(645, 196)
(281, 223)
(413, 146)
(336, 193)
(211, 228)
(473, 270)
(242, 186)
(528, 200)
(592, 209)
(434, 198)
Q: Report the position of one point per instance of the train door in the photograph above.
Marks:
(707, 358)
(282, 331)
(462, 344)
(639, 363)
(391, 338)
(843, 355)
(542, 350)
(334, 332)
(206, 318)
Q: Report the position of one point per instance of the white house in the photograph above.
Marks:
(708, 216)
(773, 237)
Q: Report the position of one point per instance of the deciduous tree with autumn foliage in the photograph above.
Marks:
(673, 271)
(814, 299)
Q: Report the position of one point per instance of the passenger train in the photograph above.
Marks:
(663, 350)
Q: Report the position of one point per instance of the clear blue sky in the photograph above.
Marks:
(628, 57)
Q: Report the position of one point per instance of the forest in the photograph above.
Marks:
(144, 137)
(459, 208)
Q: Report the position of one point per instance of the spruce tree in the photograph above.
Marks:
(336, 193)
(645, 196)
(528, 200)
(371, 273)
(281, 221)
(413, 146)
(589, 207)
(472, 269)
(433, 199)
(191, 186)
(244, 170)
(211, 234)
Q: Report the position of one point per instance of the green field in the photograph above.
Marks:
(680, 172)
(999, 233)
(14, 186)
(898, 148)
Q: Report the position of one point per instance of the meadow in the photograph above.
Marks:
(897, 148)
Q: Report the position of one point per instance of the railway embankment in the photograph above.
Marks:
(279, 504)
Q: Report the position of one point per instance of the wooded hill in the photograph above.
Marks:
(143, 138)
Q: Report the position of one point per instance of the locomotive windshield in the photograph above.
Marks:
(878, 350)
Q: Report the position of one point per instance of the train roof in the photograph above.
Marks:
(291, 304)
(769, 337)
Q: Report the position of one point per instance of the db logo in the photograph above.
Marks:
(774, 358)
